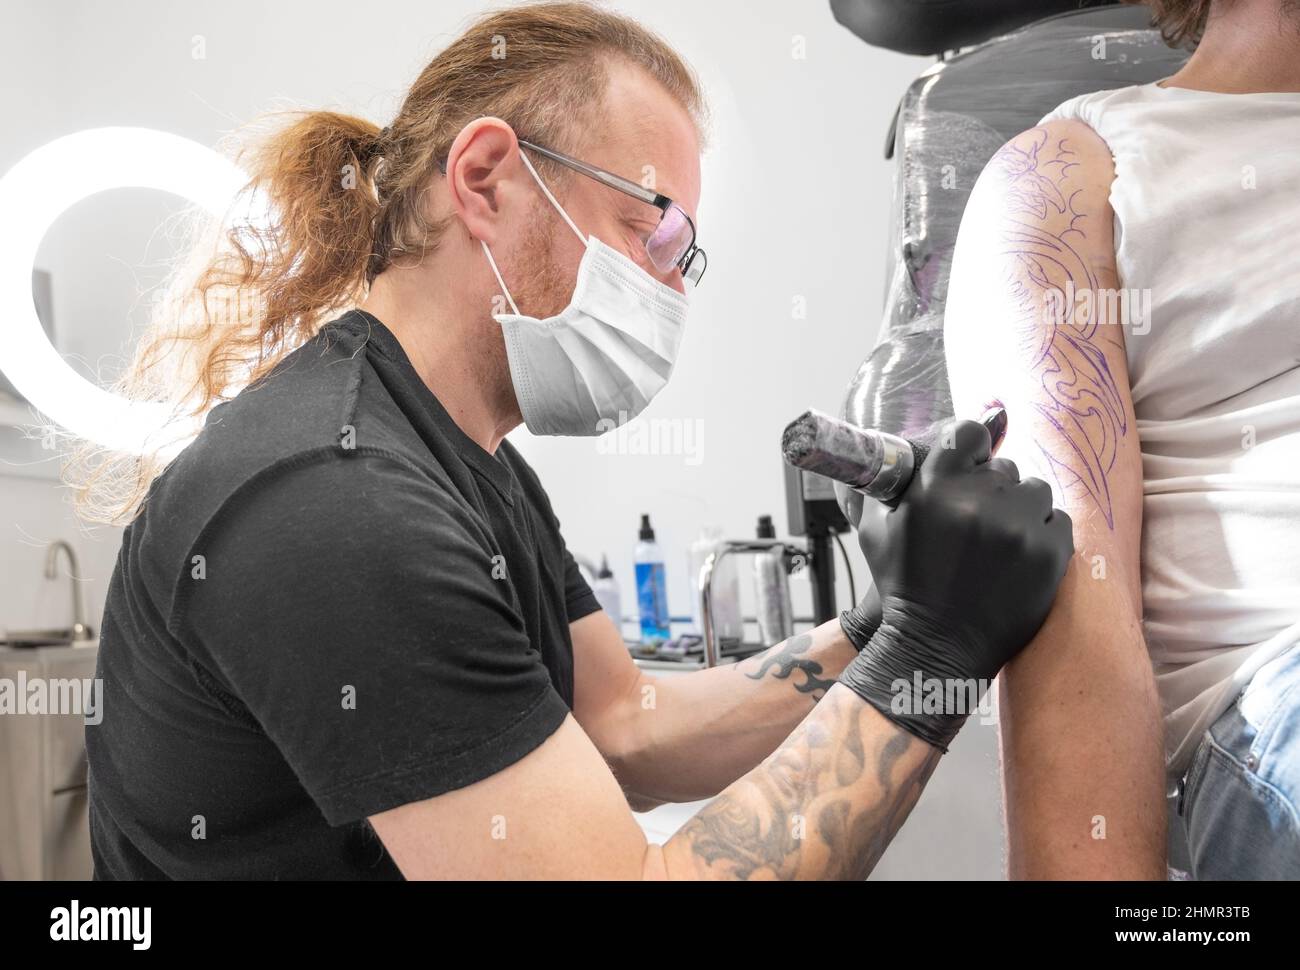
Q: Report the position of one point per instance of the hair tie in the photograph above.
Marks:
(376, 148)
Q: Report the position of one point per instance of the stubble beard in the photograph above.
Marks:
(540, 290)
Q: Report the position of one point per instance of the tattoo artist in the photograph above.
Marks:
(354, 508)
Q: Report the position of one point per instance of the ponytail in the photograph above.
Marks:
(316, 174)
(251, 291)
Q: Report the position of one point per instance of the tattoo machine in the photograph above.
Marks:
(876, 463)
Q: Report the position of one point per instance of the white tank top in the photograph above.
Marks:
(1207, 222)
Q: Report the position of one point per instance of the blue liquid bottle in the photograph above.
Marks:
(651, 587)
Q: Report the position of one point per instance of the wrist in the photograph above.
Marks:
(913, 676)
(860, 623)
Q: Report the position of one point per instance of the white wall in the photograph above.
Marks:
(794, 214)
(37, 76)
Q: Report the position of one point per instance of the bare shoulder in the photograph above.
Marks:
(1037, 232)
(1049, 187)
(1034, 318)
(1038, 170)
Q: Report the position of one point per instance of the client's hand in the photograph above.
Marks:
(966, 569)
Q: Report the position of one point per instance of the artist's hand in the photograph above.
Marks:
(966, 568)
(995, 420)
(861, 622)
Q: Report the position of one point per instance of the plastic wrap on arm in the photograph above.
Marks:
(951, 121)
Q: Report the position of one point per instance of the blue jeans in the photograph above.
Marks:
(1239, 813)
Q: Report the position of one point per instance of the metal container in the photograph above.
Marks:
(44, 822)
(772, 589)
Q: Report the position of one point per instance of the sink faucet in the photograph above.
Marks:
(79, 629)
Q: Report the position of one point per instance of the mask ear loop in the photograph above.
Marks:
(558, 208)
(547, 192)
(497, 273)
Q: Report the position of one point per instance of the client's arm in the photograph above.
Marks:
(1033, 322)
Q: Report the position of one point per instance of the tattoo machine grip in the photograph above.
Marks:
(876, 463)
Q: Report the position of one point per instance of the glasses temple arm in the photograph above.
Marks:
(600, 175)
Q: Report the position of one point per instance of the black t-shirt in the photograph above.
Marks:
(334, 603)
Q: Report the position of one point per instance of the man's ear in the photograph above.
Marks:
(481, 169)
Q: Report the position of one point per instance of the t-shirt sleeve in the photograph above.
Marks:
(579, 600)
(356, 609)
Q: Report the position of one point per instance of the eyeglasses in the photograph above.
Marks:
(672, 243)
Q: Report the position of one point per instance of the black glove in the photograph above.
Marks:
(966, 568)
(860, 623)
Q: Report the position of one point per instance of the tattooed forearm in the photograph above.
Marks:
(1063, 314)
(787, 658)
(825, 805)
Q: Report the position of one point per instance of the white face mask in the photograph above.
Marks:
(601, 360)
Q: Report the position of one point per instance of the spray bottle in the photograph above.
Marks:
(651, 587)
